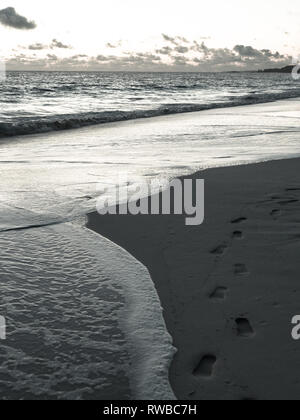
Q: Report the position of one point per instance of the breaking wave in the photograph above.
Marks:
(36, 124)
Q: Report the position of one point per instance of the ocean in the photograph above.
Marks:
(35, 102)
(83, 316)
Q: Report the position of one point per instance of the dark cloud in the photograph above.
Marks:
(177, 40)
(37, 47)
(179, 60)
(246, 51)
(201, 48)
(181, 49)
(168, 38)
(57, 44)
(9, 17)
(199, 56)
(164, 51)
(52, 57)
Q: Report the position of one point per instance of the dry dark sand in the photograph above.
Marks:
(230, 287)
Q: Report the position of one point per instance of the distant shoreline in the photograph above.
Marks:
(287, 69)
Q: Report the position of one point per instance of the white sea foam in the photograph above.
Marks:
(83, 319)
(150, 344)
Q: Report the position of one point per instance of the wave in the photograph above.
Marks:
(35, 125)
(119, 301)
(150, 345)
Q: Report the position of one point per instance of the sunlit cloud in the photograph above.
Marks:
(175, 54)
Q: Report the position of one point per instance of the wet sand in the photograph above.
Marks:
(230, 287)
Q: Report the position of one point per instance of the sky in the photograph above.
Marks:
(139, 35)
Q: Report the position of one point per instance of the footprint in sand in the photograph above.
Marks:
(239, 220)
(205, 368)
(219, 250)
(237, 234)
(220, 293)
(244, 328)
(240, 270)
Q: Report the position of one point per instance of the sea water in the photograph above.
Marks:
(34, 102)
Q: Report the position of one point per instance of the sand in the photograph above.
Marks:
(230, 287)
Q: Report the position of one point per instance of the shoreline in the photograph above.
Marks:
(228, 288)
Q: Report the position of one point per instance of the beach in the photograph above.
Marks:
(149, 203)
(216, 284)
(230, 287)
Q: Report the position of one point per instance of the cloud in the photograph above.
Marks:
(168, 38)
(9, 17)
(246, 51)
(113, 46)
(128, 62)
(164, 51)
(103, 58)
(197, 55)
(181, 49)
(52, 57)
(175, 54)
(37, 47)
(259, 55)
(175, 40)
(55, 44)
(58, 44)
(179, 60)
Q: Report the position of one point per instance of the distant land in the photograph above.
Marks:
(286, 69)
